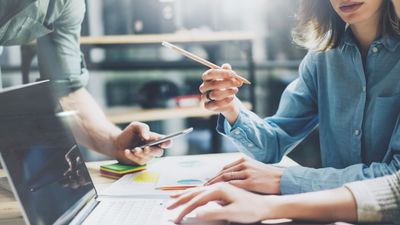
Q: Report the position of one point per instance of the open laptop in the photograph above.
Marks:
(46, 170)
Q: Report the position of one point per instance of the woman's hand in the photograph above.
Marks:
(219, 89)
(251, 175)
(134, 135)
(237, 205)
(245, 207)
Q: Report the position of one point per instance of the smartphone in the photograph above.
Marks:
(167, 138)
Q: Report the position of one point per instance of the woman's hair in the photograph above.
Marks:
(320, 27)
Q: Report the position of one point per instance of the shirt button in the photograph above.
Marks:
(375, 50)
(357, 132)
(364, 89)
(237, 132)
(250, 145)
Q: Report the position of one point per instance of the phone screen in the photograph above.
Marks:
(167, 138)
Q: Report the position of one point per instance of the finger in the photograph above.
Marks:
(226, 66)
(156, 152)
(234, 168)
(218, 95)
(217, 105)
(155, 136)
(229, 176)
(220, 84)
(235, 163)
(229, 166)
(142, 129)
(142, 154)
(198, 201)
(179, 193)
(166, 144)
(216, 74)
(183, 199)
(131, 157)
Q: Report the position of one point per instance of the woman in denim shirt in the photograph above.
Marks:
(349, 86)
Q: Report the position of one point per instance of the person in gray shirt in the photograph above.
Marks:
(56, 24)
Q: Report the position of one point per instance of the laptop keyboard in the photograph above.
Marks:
(132, 212)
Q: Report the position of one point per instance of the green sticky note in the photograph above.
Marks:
(122, 168)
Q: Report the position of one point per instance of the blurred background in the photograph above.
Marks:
(134, 78)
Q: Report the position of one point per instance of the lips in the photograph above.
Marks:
(350, 7)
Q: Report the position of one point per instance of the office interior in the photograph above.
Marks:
(149, 81)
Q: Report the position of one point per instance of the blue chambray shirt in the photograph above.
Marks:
(357, 111)
(56, 24)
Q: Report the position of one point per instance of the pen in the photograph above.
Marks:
(198, 59)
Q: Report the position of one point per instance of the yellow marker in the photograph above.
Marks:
(147, 177)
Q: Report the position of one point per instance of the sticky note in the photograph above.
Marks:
(147, 177)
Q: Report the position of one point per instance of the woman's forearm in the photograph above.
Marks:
(331, 205)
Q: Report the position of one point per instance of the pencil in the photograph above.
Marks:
(199, 59)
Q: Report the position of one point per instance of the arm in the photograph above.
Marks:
(60, 60)
(270, 139)
(301, 179)
(263, 178)
(92, 129)
(375, 200)
(241, 206)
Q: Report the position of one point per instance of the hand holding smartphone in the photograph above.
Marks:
(166, 138)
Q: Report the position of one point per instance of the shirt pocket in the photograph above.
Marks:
(23, 30)
(385, 115)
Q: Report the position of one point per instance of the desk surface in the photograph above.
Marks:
(183, 37)
(10, 213)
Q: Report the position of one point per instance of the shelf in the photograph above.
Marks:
(120, 115)
(127, 115)
(175, 38)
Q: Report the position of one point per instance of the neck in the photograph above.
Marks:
(366, 32)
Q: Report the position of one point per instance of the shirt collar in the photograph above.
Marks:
(348, 39)
(388, 41)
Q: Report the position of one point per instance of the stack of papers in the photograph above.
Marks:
(169, 174)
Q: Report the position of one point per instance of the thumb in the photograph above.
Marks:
(227, 66)
(143, 130)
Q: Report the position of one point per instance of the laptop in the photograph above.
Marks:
(47, 173)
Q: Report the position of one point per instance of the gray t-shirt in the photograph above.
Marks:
(56, 24)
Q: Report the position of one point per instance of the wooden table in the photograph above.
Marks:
(10, 212)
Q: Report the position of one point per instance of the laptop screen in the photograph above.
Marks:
(41, 157)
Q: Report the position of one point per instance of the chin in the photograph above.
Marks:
(353, 19)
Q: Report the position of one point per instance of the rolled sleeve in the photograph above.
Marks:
(60, 58)
(378, 200)
(269, 140)
(241, 134)
(368, 209)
